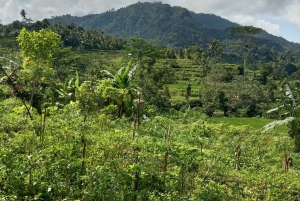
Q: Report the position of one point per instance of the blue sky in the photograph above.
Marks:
(278, 17)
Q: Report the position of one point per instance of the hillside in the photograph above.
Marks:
(91, 122)
(212, 21)
(174, 25)
(165, 25)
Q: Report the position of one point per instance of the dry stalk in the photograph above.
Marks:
(237, 154)
(287, 162)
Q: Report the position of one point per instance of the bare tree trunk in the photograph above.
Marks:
(32, 93)
(17, 91)
(245, 63)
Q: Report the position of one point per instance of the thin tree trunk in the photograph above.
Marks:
(17, 91)
(245, 63)
(120, 110)
(136, 185)
(32, 93)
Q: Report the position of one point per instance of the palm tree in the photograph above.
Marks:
(247, 35)
(213, 47)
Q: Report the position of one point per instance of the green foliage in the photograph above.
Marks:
(121, 91)
(169, 160)
(165, 25)
(246, 32)
(290, 106)
(76, 149)
(37, 50)
(293, 131)
(71, 35)
(38, 47)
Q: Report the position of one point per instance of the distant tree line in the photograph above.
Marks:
(72, 35)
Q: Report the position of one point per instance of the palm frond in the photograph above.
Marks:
(132, 72)
(108, 74)
(3, 78)
(70, 84)
(289, 94)
(62, 94)
(274, 109)
(275, 123)
(121, 71)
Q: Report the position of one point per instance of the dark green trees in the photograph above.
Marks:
(246, 34)
(294, 132)
(151, 77)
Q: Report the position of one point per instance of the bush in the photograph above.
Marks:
(218, 113)
(294, 132)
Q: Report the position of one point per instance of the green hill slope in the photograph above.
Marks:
(160, 23)
(212, 21)
(165, 25)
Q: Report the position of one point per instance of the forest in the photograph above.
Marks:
(168, 26)
(90, 116)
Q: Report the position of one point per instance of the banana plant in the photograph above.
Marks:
(291, 107)
(66, 91)
(121, 91)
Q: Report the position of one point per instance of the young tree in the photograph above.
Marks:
(37, 50)
(143, 52)
(180, 53)
(24, 16)
(247, 35)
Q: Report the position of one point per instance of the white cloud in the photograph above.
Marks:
(250, 20)
(38, 10)
(7, 12)
(293, 14)
(234, 7)
(268, 26)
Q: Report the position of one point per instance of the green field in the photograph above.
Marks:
(256, 123)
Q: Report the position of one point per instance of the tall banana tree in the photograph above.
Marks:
(290, 108)
(121, 91)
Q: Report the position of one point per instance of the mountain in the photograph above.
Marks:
(213, 21)
(165, 25)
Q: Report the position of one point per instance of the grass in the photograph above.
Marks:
(183, 85)
(256, 123)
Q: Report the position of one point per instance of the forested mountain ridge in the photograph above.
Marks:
(212, 21)
(152, 21)
(165, 25)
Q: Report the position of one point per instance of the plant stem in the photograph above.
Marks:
(10, 82)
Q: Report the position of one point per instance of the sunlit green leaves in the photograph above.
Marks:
(38, 46)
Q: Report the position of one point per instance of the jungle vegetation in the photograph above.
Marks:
(89, 116)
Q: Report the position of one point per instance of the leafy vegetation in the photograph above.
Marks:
(71, 35)
(137, 121)
(166, 25)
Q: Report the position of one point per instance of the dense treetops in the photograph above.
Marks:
(72, 35)
(165, 25)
